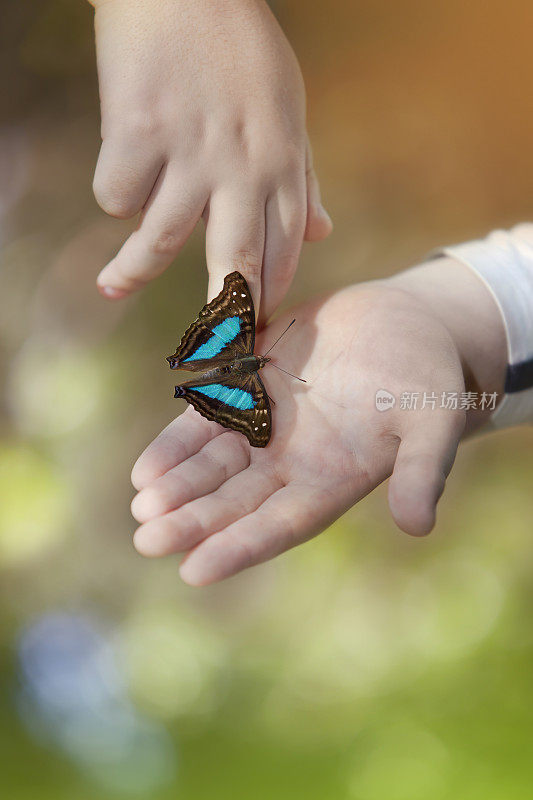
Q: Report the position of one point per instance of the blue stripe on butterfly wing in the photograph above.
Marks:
(231, 396)
(223, 333)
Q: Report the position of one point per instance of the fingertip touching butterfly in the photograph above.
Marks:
(220, 344)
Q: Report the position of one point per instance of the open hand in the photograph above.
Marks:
(205, 492)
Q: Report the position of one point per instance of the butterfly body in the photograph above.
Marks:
(219, 346)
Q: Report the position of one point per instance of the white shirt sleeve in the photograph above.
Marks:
(504, 262)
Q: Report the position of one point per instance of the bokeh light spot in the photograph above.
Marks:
(52, 391)
(34, 504)
(173, 662)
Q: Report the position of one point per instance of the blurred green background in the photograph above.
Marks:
(364, 665)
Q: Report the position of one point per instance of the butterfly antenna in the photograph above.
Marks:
(287, 372)
(279, 337)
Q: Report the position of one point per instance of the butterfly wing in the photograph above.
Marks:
(237, 402)
(225, 329)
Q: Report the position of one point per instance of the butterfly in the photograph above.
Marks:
(220, 344)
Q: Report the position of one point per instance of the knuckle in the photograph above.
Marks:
(235, 451)
(160, 496)
(167, 240)
(269, 165)
(223, 450)
(241, 547)
(166, 530)
(279, 150)
(242, 451)
(182, 490)
(288, 159)
(112, 198)
(182, 211)
(216, 462)
(249, 263)
(165, 243)
(190, 528)
(134, 125)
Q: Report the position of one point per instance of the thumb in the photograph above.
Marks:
(423, 462)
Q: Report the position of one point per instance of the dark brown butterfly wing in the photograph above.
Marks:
(225, 329)
(239, 402)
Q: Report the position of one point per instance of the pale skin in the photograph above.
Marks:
(204, 492)
(203, 117)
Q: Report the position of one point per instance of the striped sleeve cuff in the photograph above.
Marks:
(504, 262)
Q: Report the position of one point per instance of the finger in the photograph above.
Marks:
(424, 459)
(220, 459)
(285, 223)
(290, 516)
(235, 239)
(178, 441)
(318, 224)
(182, 529)
(167, 222)
(125, 175)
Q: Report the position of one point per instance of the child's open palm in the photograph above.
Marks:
(205, 492)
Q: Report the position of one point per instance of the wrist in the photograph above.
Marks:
(460, 300)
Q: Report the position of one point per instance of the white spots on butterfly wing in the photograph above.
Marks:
(234, 293)
(264, 424)
(242, 294)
